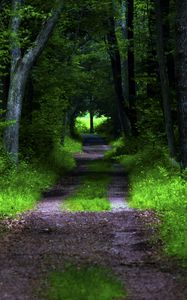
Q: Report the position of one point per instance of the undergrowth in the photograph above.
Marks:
(21, 187)
(157, 183)
(86, 283)
(92, 193)
(72, 146)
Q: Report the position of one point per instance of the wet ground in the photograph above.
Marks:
(46, 239)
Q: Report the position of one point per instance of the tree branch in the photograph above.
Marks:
(34, 52)
(15, 25)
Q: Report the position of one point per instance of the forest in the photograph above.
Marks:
(76, 75)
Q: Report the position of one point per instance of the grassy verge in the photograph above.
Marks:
(83, 283)
(20, 188)
(156, 183)
(92, 193)
(72, 146)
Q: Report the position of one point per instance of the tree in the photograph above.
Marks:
(164, 80)
(131, 64)
(124, 57)
(117, 76)
(20, 69)
(181, 75)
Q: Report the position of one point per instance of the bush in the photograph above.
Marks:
(122, 146)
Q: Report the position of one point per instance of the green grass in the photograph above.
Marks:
(83, 123)
(87, 283)
(92, 193)
(20, 188)
(72, 146)
(156, 183)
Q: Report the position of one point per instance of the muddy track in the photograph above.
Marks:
(46, 239)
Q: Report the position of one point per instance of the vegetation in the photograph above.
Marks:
(84, 283)
(124, 60)
(72, 146)
(157, 183)
(83, 123)
(21, 187)
(91, 195)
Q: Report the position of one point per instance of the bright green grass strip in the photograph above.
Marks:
(91, 283)
(156, 183)
(92, 194)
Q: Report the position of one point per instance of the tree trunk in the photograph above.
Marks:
(131, 65)
(14, 105)
(20, 69)
(91, 122)
(65, 127)
(164, 80)
(116, 70)
(153, 88)
(130, 37)
(73, 116)
(124, 60)
(181, 75)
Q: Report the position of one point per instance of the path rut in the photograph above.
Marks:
(47, 238)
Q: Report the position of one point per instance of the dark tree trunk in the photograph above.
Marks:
(20, 69)
(1, 95)
(124, 60)
(91, 122)
(72, 124)
(130, 37)
(181, 75)
(131, 65)
(116, 69)
(153, 89)
(65, 127)
(167, 37)
(164, 80)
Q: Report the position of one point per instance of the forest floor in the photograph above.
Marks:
(123, 240)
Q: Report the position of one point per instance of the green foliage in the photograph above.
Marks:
(122, 146)
(83, 123)
(86, 283)
(92, 193)
(72, 146)
(82, 126)
(60, 160)
(156, 183)
(21, 187)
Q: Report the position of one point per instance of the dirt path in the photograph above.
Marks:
(46, 239)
